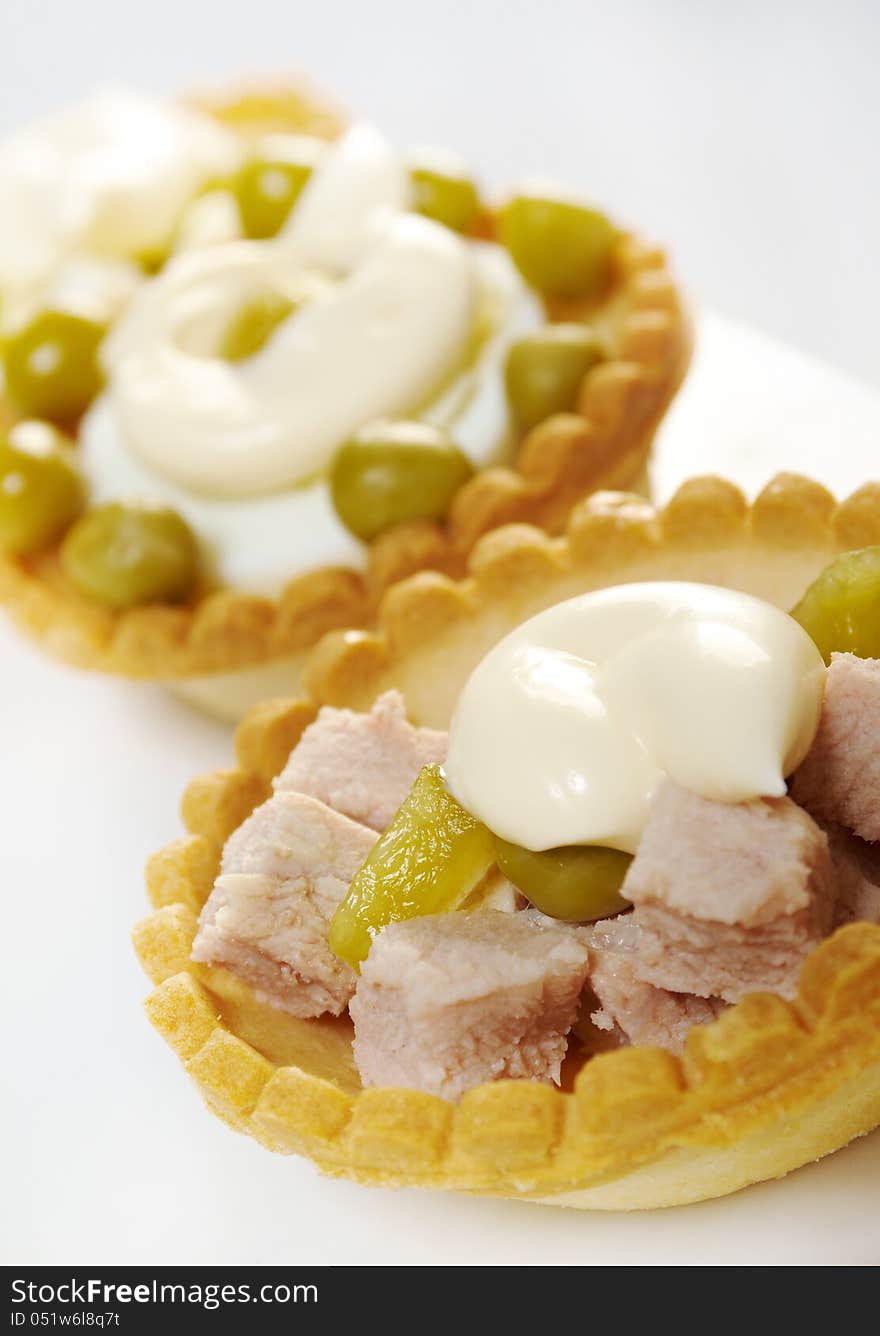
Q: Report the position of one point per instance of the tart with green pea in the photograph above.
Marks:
(273, 420)
(747, 1085)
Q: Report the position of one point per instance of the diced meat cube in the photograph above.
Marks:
(639, 1011)
(284, 872)
(856, 867)
(293, 835)
(362, 765)
(729, 897)
(448, 1001)
(741, 864)
(840, 779)
(618, 1007)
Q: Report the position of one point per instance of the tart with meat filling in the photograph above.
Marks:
(270, 364)
(614, 943)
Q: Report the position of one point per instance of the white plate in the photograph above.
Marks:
(109, 1155)
(752, 407)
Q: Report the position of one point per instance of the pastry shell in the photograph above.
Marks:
(769, 1086)
(605, 443)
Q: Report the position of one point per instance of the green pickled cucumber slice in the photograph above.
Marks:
(841, 609)
(429, 860)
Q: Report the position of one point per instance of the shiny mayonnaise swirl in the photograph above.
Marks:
(107, 178)
(258, 543)
(385, 304)
(565, 729)
(395, 314)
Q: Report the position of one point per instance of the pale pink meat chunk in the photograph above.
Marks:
(284, 872)
(362, 765)
(639, 1012)
(856, 867)
(840, 779)
(729, 898)
(448, 1001)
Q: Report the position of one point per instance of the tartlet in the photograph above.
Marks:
(225, 649)
(769, 1086)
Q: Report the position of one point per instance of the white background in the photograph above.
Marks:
(744, 137)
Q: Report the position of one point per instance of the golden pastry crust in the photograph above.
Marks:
(260, 106)
(604, 444)
(767, 1087)
(788, 1081)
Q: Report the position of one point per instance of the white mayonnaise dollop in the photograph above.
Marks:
(396, 316)
(108, 177)
(564, 730)
(387, 303)
(374, 345)
(258, 543)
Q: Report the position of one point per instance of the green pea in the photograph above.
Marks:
(577, 883)
(41, 491)
(254, 325)
(391, 472)
(544, 371)
(266, 191)
(561, 249)
(52, 367)
(123, 555)
(841, 609)
(445, 197)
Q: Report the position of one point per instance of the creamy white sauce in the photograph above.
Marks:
(373, 345)
(564, 730)
(93, 286)
(253, 543)
(376, 339)
(211, 219)
(473, 409)
(358, 184)
(108, 177)
(388, 307)
(258, 543)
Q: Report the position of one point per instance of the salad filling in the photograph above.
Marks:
(364, 882)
